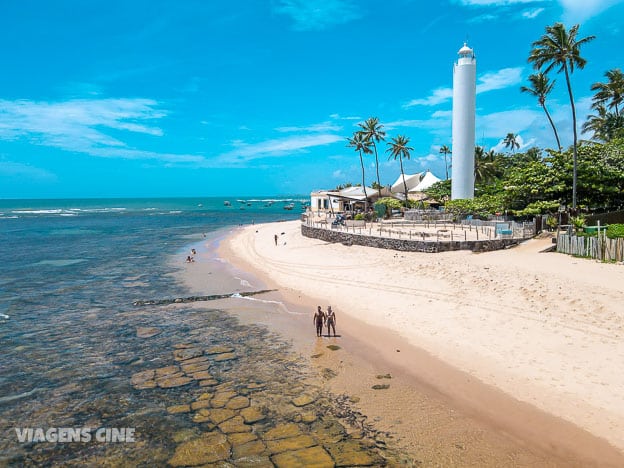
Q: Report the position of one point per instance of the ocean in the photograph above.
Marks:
(87, 378)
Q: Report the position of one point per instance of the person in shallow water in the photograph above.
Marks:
(331, 320)
(319, 318)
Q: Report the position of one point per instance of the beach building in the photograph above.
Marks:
(464, 102)
(347, 199)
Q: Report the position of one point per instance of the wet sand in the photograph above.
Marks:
(441, 414)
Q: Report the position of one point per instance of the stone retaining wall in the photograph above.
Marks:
(406, 245)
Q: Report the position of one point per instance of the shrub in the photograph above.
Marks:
(551, 222)
(578, 222)
(359, 217)
(615, 230)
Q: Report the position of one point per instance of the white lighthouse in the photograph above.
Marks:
(464, 101)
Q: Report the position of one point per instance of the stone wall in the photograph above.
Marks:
(406, 245)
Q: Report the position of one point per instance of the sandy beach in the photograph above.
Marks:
(526, 343)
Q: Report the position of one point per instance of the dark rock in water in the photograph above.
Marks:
(384, 376)
(214, 297)
(351, 453)
(313, 456)
(219, 350)
(333, 347)
(252, 415)
(381, 387)
(303, 400)
(187, 353)
(172, 382)
(209, 448)
(147, 332)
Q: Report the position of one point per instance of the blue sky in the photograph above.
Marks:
(249, 97)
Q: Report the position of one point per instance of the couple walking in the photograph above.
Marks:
(328, 318)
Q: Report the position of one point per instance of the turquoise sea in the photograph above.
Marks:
(75, 352)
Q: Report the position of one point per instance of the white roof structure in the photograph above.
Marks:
(427, 181)
(411, 180)
(357, 193)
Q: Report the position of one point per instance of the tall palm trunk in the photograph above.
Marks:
(445, 165)
(552, 124)
(404, 182)
(364, 184)
(574, 147)
(377, 168)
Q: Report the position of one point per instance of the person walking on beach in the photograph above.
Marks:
(275, 237)
(331, 320)
(319, 318)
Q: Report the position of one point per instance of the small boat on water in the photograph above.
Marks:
(289, 206)
(227, 203)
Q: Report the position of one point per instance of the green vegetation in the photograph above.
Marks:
(615, 231)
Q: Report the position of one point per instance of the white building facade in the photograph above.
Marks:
(464, 107)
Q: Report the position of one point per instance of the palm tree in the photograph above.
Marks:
(605, 126)
(484, 165)
(398, 149)
(360, 144)
(445, 150)
(595, 123)
(372, 130)
(541, 87)
(511, 142)
(610, 93)
(560, 48)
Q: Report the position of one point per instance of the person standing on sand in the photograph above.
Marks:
(319, 318)
(275, 237)
(331, 320)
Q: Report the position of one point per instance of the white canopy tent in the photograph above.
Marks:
(427, 181)
(411, 180)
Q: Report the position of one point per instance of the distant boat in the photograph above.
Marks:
(226, 203)
(290, 206)
(200, 205)
(248, 204)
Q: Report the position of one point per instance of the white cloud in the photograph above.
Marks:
(577, 11)
(484, 18)
(501, 79)
(438, 96)
(339, 117)
(80, 125)
(487, 82)
(320, 127)
(245, 152)
(574, 11)
(338, 174)
(319, 14)
(534, 13)
(494, 2)
(498, 124)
